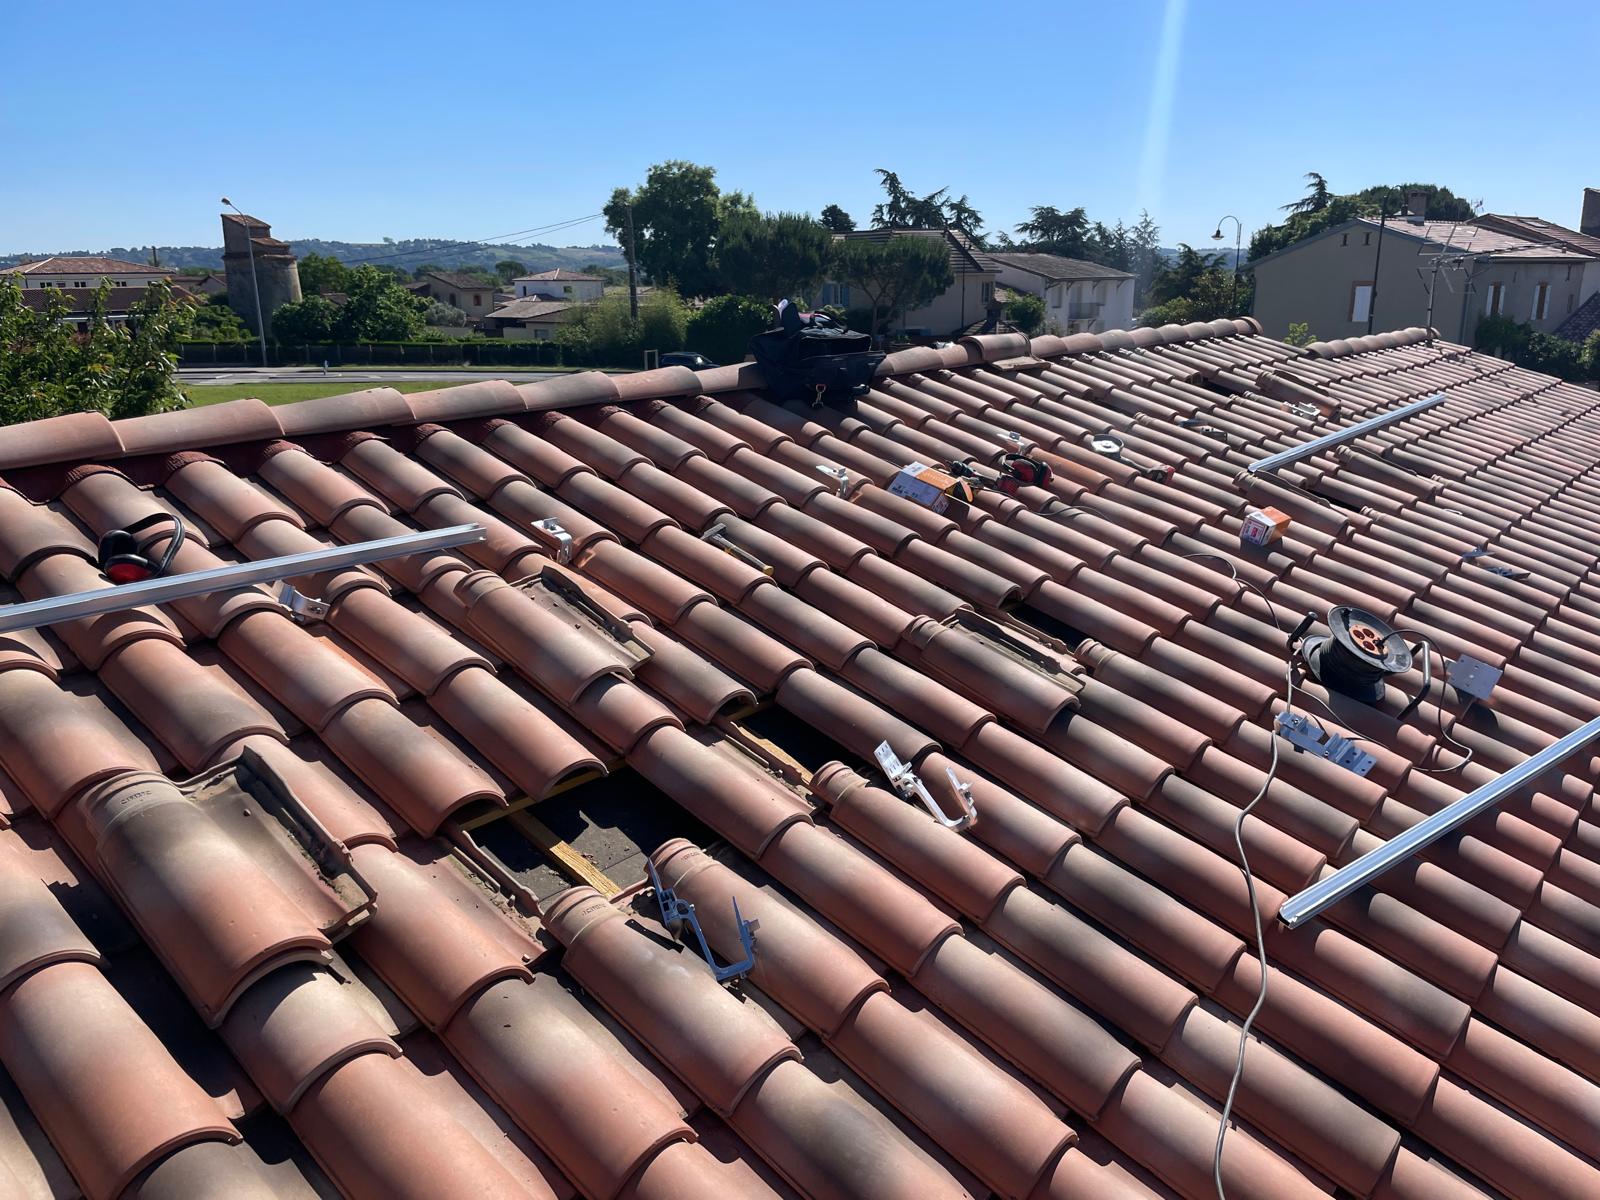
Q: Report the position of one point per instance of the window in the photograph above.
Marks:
(1570, 299)
(83, 283)
(1344, 239)
(1541, 301)
(1366, 239)
(1360, 301)
(566, 289)
(1495, 301)
(988, 292)
(477, 298)
(452, 300)
(1569, 272)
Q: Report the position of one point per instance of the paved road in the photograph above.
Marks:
(205, 375)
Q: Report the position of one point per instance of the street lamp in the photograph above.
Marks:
(1238, 241)
(255, 287)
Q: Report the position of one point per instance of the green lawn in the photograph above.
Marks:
(288, 393)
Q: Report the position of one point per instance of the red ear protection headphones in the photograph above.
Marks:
(1018, 470)
(122, 556)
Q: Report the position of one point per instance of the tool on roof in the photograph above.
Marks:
(123, 558)
(903, 778)
(1306, 904)
(814, 358)
(1015, 472)
(717, 536)
(1316, 445)
(160, 590)
(1358, 654)
(677, 912)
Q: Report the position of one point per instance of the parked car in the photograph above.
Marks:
(686, 358)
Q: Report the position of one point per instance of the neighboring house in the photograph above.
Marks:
(472, 294)
(257, 264)
(559, 285)
(1583, 240)
(1585, 320)
(969, 300)
(530, 318)
(71, 272)
(1336, 280)
(80, 301)
(212, 283)
(1079, 297)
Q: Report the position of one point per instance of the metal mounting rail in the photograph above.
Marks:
(1284, 457)
(1304, 905)
(33, 613)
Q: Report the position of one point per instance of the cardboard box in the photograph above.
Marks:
(1263, 526)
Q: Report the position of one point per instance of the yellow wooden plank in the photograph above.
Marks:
(495, 812)
(568, 861)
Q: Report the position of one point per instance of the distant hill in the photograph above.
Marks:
(408, 253)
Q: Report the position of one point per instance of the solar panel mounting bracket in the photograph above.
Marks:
(303, 608)
(676, 913)
(903, 779)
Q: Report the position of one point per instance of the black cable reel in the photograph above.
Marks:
(1357, 655)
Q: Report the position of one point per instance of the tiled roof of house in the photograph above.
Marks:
(562, 276)
(277, 909)
(1465, 237)
(525, 308)
(1585, 319)
(1539, 230)
(1055, 267)
(466, 282)
(81, 300)
(82, 265)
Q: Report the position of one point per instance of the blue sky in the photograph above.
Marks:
(356, 120)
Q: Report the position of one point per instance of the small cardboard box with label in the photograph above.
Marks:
(1263, 526)
(929, 487)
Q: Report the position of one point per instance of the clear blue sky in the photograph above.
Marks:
(122, 123)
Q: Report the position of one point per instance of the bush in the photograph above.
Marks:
(1591, 355)
(724, 326)
(1299, 334)
(440, 313)
(1026, 312)
(605, 333)
(49, 366)
(1524, 345)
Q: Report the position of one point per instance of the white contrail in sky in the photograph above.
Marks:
(1158, 120)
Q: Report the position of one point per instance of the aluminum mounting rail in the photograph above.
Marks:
(1302, 906)
(1284, 457)
(33, 613)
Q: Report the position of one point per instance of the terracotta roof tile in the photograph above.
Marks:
(1080, 957)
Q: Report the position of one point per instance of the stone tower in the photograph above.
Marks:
(276, 274)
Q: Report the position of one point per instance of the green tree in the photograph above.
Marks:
(1316, 199)
(1508, 338)
(1299, 334)
(214, 321)
(1048, 230)
(779, 254)
(723, 327)
(508, 269)
(438, 312)
(308, 320)
(676, 214)
(1591, 355)
(1183, 276)
(379, 309)
(1381, 200)
(322, 273)
(50, 366)
(1025, 311)
(607, 334)
(895, 275)
(836, 220)
(904, 209)
(663, 321)
(613, 276)
(1144, 243)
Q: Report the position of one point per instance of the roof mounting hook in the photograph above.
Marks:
(555, 537)
(1106, 443)
(904, 780)
(677, 912)
(840, 477)
(304, 609)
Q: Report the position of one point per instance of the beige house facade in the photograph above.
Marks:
(1360, 277)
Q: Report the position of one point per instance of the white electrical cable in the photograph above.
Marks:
(1438, 707)
(1261, 940)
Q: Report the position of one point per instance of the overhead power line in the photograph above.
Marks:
(499, 239)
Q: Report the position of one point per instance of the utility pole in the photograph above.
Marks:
(633, 270)
(1377, 261)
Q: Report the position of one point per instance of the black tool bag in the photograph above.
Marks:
(815, 359)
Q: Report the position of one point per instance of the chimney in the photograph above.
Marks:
(1416, 207)
(1590, 221)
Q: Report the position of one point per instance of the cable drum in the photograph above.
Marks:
(1361, 651)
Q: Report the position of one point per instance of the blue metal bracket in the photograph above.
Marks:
(676, 913)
